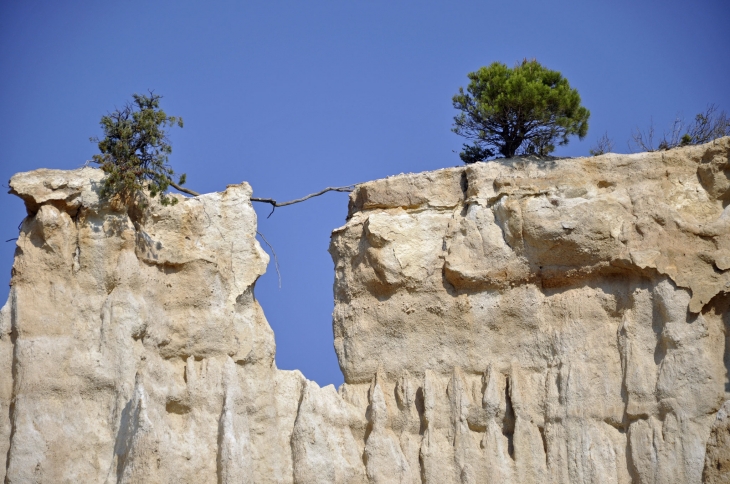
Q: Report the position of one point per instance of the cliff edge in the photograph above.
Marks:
(563, 321)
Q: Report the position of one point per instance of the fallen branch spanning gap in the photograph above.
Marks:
(275, 204)
(271, 201)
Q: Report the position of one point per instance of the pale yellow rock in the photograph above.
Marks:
(595, 291)
(133, 347)
(717, 459)
(528, 321)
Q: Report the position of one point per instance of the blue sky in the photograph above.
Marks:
(293, 96)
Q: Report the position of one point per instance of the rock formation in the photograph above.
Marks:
(558, 321)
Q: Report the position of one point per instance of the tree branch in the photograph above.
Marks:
(271, 201)
(275, 204)
(183, 189)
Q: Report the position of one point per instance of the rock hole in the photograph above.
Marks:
(76, 259)
(420, 408)
(508, 422)
(176, 406)
(422, 468)
(544, 442)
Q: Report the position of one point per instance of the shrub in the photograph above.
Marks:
(706, 126)
(135, 149)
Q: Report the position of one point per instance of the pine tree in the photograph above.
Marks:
(526, 109)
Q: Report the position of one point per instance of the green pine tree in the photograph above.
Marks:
(527, 109)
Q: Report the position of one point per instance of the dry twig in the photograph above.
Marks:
(276, 259)
(603, 145)
(707, 126)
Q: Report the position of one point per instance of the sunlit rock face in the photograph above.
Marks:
(560, 321)
(133, 349)
(543, 320)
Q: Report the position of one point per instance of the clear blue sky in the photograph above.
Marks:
(293, 96)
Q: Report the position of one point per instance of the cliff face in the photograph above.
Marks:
(134, 342)
(564, 319)
(535, 321)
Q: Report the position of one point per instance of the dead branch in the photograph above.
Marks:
(275, 204)
(707, 126)
(271, 201)
(642, 140)
(603, 145)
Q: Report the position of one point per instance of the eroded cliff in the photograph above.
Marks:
(558, 321)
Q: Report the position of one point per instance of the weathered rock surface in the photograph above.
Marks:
(136, 348)
(534, 321)
(562, 321)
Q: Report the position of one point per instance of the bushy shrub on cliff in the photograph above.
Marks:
(523, 110)
(705, 127)
(135, 149)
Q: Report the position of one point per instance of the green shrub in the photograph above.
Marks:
(135, 149)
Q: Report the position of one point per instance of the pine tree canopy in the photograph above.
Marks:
(523, 110)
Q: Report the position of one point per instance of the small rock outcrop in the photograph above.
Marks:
(562, 321)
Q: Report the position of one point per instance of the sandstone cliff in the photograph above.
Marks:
(533, 321)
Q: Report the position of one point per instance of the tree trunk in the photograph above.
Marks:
(510, 147)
